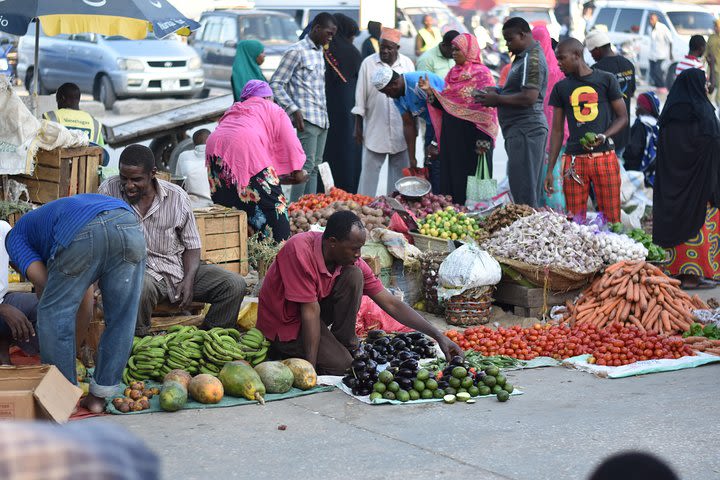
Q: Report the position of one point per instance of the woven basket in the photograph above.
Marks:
(472, 307)
(558, 279)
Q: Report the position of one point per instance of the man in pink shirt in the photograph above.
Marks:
(317, 281)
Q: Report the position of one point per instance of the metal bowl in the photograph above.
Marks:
(178, 180)
(413, 187)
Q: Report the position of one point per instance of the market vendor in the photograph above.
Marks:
(63, 248)
(70, 115)
(311, 295)
(174, 272)
(593, 104)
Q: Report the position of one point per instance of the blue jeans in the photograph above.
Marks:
(657, 75)
(109, 249)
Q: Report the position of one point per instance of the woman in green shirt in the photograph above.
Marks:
(249, 56)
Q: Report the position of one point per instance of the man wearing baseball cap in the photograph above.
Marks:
(600, 47)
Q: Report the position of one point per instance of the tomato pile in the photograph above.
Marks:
(613, 346)
(318, 201)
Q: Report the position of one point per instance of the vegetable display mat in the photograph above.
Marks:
(640, 368)
(227, 400)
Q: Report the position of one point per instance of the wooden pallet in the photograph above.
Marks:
(528, 302)
(62, 172)
(223, 233)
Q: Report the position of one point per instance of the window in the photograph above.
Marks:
(269, 28)
(532, 15)
(228, 29)
(661, 19)
(692, 23)
(352, 13)
(606, 17)
(629, 20)
(211, 32)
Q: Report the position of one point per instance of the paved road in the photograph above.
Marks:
(561, 428)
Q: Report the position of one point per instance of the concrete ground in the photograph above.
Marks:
(561, 428)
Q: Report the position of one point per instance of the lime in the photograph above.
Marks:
(431, 384)
(375, 396)
(492, 370)
(426, 394)
(497, 389)
(490, 381)
(449, 398)
(455, 382)
(484, 390)
(385, 377)
(501, 380)
(393, 386)
(461, 390)
(450, 391)
(389, 395)
(414, 395)
(463, 396)
(423, 374)
(379, 387)
(474, 391)
(402, 395)
(439, 393)
(503, 396)
(459, 372)
(509, 387)
(467, 382)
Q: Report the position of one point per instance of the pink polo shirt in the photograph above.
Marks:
(299, 275)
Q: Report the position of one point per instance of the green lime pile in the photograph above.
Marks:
(462, 384)
(424, 387)
(450, 224)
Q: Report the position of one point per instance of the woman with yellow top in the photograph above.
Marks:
(428, 36)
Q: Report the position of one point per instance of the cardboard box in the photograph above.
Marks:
(36, 392)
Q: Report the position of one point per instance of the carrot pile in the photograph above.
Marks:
(318, 201)
(703, 344)
(639, 294)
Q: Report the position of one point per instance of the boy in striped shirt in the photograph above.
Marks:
(694, 58)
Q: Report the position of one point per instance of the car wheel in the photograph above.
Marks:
(29, 78)
(162, 148)
(184, 146)
(106, 92)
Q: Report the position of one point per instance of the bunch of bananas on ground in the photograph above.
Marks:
(221, 346)
(147, 359)
(254, 346)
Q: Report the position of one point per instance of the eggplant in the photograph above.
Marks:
(457, 361)
(361, 392)
(358, 364)
(395, 362)
(405, 383)
(362, 375)
(350, 382)
(381, 360)
(384, 341)
(375, 334)
(371, 366)
(405, 373)
(404, 355)
(410, 364)
(398, 344)
(443, 384)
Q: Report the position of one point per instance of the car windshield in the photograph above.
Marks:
(149, 36)
(692, 23)
(269, 29)
(531, 15)
(444, 19)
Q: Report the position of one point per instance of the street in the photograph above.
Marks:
(564, 425)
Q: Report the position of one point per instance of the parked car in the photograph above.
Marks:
(629, 23)
(304, 11)
(221, 30)
(112, 67)
(534, 12)
(8, 56)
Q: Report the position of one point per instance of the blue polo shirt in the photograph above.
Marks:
(415, 100)
(39, 233)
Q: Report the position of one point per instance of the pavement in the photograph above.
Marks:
(561, 428)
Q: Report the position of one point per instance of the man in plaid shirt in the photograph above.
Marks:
(592, 102)
(299, 87)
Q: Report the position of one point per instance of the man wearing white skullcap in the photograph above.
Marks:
(378, 125)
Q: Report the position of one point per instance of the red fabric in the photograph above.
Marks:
(460, 84)
(699, 255)
(504, 72)
(416, 172)
(372, 317)
(18, 357)
(603, 171)
(299, 275)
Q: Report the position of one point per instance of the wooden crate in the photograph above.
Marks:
(427, 243)
(63, 172)
(223, 232)
(528, 302)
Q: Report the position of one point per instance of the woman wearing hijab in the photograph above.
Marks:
(253, 143)
(686, 220)
(342, 64)
(371, 44)
(540, 33)
(465, 129)
(641, 150)
(250, 54)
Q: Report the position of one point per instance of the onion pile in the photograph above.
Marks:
(428, 204)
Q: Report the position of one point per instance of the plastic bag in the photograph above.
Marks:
(372, 317)
(465, 268)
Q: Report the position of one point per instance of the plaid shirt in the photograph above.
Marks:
(299, 82)
(84, 450)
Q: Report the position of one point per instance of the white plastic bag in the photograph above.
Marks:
(465, 268)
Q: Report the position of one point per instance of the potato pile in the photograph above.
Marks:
(300, 221)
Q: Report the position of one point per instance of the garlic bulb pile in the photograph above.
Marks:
(615, 247)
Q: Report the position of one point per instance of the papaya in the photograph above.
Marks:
(276, 376)
(304, 376)
(205, 388)
(173, 396)
(180, 376)
(240, 380)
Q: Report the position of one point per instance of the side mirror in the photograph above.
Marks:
(230, 44)
(404, 27)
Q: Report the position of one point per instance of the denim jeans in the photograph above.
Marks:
(313, 140)
(109, 249)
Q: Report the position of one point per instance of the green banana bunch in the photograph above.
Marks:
(183, 348)
(147, 359)
(220, 346)
(254, 346)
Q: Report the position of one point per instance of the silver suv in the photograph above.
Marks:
(112, 67)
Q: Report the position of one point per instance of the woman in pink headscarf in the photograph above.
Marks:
(540, 33)
(253, 144)
(465, 129)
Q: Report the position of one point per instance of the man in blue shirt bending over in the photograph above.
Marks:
(63, 248)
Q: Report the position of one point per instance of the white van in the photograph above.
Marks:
(409, 16)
